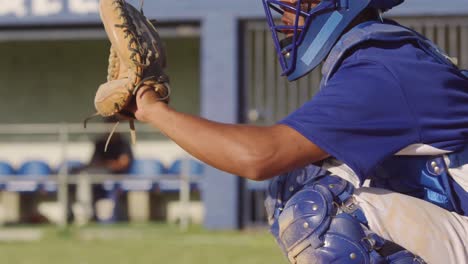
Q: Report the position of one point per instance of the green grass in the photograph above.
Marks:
(119, 244)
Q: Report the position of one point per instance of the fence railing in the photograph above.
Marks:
(61, 179)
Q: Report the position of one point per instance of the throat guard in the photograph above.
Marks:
(315, 30)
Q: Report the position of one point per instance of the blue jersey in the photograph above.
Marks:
(383, 98)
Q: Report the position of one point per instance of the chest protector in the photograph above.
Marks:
(425, 177)
(384, 32)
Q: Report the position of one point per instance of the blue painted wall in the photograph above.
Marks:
(219, 93)
(42, 12)
(219, 63)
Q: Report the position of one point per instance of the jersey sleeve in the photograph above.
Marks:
(360, 117)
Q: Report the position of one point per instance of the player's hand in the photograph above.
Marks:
(145, 99)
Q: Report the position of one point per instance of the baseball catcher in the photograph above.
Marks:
(391, 111)
(137, 60)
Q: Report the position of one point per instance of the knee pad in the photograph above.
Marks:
(404, 257)
(317, 226)
(309, 255)
(311, 220)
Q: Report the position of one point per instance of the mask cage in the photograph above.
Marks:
(287, 55)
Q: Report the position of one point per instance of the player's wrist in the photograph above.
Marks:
(147, 112)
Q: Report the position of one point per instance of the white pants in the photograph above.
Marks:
(426, 230)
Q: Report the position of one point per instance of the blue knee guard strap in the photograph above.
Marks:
(321, 219)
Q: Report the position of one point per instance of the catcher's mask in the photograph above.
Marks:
(317, 27)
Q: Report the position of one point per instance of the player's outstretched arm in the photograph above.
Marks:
(253, 152)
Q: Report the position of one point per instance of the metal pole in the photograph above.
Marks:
(63, 177)
(185, 194)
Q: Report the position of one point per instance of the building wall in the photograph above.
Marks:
(55, 81)
(50, 12)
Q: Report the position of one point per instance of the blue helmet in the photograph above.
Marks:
(323, 24)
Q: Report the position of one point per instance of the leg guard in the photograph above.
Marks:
(318, 222)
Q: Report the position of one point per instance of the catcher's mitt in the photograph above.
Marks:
(137, 60)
